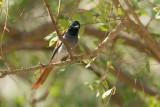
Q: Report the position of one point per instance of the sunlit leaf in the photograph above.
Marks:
(157, 16)
(140, 13)
(103, 28)
(1, 2)
(156, 9)
(62, 69)
(53, 40)
(98, 94)
(48, 37)
(88, 65)
(109, 65)
(109, 92)
(120, 12)
(88, 62)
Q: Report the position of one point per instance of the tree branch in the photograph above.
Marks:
(55, 23)
(132, 12)
(91, 54)
(144, 34)
(140, 30)
(34, 40)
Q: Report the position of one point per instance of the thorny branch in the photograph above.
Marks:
(55, 23)
(91, 54)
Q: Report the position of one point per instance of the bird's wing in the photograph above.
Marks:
(58, 45)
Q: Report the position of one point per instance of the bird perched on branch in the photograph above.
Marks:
(60, 52)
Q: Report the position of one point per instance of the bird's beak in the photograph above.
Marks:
(77, 26)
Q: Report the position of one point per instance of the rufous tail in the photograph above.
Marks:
(42, 78)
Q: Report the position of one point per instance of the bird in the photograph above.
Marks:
(60, 52)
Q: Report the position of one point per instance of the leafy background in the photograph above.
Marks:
(126, 66)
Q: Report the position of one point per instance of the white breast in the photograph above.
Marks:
(60, 54)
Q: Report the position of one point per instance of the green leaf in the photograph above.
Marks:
(157, 16)
(63, 24)
(48, 37)
(103, 28)
(53, 40)
(109, 65)
(156, 9)
(140, 13)
(1, 2)
(120, 12)
(62, 69)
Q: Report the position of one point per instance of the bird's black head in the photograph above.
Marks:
(74, 28)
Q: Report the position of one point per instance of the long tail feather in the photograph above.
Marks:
(42, 78)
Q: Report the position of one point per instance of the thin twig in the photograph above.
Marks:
(91, 54)
(57, 29)
(132, 12)
(59, 9)
(4, 29)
